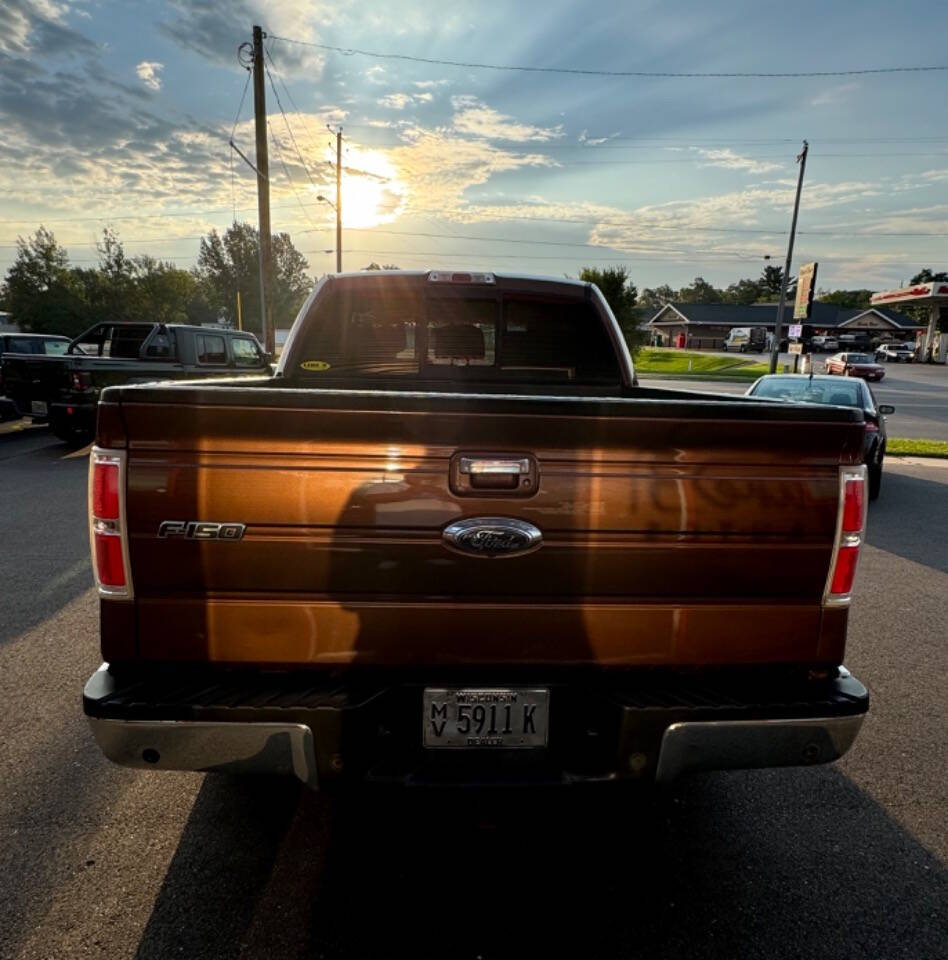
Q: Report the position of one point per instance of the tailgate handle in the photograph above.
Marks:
(479, 467)
(498, 474)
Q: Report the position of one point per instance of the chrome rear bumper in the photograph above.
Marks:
(747, 744)
(274, 748)
(319, 731)
(288, 748)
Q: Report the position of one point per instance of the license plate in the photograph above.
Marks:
(38, 408)
(486, 717)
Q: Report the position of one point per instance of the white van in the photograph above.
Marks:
(742, 339)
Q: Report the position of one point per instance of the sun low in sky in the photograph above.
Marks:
(475, 136)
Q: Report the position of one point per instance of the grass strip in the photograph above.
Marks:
(910, 447)
(686, 363)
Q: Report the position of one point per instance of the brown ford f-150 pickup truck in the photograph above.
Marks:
(452, 541)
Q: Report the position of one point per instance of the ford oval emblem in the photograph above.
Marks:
(492, 537)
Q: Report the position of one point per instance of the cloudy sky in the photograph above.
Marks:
(120, 111)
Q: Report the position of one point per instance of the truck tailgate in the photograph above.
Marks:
(28, 378)
(675, 532)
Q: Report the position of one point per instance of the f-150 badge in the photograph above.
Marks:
(201, 530)
(492, 537)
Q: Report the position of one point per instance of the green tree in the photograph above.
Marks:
(39, 289)
(845, 299)
(771, 279)
(654, 299)
(700, 291)
(167, 294)
(925, 275)
(621, 294)
(230, 264)
(743, 292)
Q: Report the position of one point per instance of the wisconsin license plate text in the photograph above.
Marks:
(485, 718)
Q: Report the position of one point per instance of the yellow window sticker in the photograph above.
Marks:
(316, 365)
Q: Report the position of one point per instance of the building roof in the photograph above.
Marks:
(736, 315)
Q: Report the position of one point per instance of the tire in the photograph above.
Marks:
(875, 479)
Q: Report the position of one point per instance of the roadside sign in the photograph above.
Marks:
(796, 348)
(916, 293)
(806, 284)
(795, 331)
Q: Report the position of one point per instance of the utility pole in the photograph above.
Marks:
(263, 192)
(339, 200)
(778, 326)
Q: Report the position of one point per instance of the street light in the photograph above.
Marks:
(335, 207)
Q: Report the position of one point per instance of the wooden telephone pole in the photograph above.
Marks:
(263, 192)
(339, 200)
(778, 325)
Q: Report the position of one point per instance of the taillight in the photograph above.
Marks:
(850, 528)
(107, 532)
(80, 381)
(871, 427)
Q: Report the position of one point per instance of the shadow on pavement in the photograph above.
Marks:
(910, 519)
(776, 864)
(44, 544)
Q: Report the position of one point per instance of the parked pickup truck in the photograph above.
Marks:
(28, 343)
(450, 542)
(65, 389)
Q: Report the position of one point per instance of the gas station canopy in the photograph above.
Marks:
(917, 293)
(932, 295)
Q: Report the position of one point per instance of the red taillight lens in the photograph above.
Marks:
(845, 571)
(853, 506)
(871, 427)
(107, 523)
(80, 381)
(849, 538)
(109, 564)
(105, 491)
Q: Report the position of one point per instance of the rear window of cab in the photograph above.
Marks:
(455, 335)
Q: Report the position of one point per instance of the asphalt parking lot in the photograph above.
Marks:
(918, 391)
(830, 862)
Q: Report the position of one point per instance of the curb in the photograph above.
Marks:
(708, 378)
(917, 460)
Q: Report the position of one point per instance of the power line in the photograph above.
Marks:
(289, 128)
(286, 173)
(618, 142)
(240, 108)
(230, 153)
(574, 71)
(519, 256)
(434, 255)
(464, 236)
(355, 171)
(776, 231)
(701, 153)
